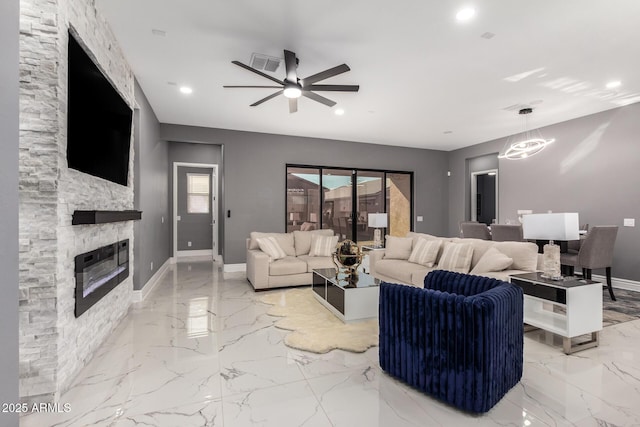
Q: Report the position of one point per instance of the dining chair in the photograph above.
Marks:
(506, 232)
(573, 246)
(596, 252)
(475, 230)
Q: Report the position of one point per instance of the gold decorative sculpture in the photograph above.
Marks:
(347, 258)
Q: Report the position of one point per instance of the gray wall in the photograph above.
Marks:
(151, 194)
(254, 176)
(192, 227)
(197, 153)
(592, 169)
(9, 202)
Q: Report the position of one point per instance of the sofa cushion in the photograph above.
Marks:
(270, 246)
(287, 265)
(302, 239)
(492, 260)
(398, 247)
(425, 252)
(480, 247)
(285, 240)
(524, 254)
(456, 257)
(322, 246)
(317, 262)
(417, 277)
(415, 236)
(398, 269)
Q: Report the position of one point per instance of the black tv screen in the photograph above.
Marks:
(98, 120)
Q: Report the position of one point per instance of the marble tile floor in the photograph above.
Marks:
(200, 351)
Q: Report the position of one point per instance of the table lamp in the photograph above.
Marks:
(377, 221)
(551, 226)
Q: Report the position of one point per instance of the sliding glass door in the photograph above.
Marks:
(337, 197)
(342, 199)
(370, 197)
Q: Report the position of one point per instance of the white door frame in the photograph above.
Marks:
(214, 204)
(474, 189)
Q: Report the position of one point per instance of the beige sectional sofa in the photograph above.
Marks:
(398, 263)
(265, 272)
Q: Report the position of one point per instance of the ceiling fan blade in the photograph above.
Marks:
(252, 87)
(293, 105)
(333, 88)
(273, 95)
(291, 66)
(318, 98)
(325, 74)
(253, 70)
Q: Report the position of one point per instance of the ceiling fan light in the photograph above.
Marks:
(292, 91)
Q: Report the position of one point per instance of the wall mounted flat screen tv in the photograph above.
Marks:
(98, 120)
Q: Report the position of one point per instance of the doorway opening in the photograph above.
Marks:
(484, 196)
(195, 210)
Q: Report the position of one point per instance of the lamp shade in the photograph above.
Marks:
(377, 220)
(313, 217)
(551, 226)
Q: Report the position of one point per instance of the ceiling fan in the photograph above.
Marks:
(293, 87)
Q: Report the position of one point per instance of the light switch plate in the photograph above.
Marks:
(629, 222)
(420, 218)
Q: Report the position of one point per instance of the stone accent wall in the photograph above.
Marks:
(54, 345)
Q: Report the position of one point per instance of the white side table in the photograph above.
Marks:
(365, 259)
(568, 307)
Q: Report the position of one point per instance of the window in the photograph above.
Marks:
(198, 190)
(341, 199)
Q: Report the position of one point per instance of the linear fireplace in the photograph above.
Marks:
(98, 272)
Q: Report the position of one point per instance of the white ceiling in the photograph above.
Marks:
(421, 73)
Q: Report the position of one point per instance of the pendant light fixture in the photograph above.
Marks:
(525, 144)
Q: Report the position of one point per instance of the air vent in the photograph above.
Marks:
(488, 35)
(264, 62)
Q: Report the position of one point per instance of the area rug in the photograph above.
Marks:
(625, 309)
(314, 328)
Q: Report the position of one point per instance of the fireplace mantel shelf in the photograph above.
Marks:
(103, 217)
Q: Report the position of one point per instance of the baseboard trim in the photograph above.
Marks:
(629, 285)
(194, 253)
(234, 268)
(140, 294)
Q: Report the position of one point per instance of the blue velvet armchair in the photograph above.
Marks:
(460, 339)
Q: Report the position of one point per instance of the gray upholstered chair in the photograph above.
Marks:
(596, 251)
(475, 230)
(506, 232)
(573, 246)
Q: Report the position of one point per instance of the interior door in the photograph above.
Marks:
(195, 212)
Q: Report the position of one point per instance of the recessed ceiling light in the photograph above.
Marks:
(613, 84)
(465, 14)
(339, 112)
(186, 90)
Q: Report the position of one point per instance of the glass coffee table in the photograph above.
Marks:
(347, 299)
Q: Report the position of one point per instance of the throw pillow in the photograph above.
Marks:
(285, 241)
(398, 247)
(323, 245)
(492, 260)
(425, 252)
(270, 246)
(456, 257)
